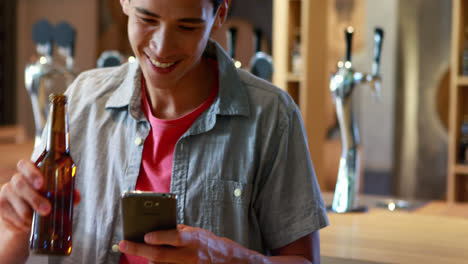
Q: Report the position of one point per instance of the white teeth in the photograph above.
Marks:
(160, 64)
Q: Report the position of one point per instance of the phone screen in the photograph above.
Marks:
(144, 212)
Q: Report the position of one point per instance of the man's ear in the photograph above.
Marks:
(125, 6)
(221, 15)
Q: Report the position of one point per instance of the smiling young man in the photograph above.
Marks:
(181, 119)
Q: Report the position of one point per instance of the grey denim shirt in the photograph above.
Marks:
(242, 171)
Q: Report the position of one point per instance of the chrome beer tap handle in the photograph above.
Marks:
(349, 42)
(342, 82)
(64, 36)
(42, 35)
(374, 78)
(378, 39)
(232, 38)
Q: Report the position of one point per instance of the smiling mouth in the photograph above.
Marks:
(161, 64)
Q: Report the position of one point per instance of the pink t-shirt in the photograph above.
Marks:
(158, 149)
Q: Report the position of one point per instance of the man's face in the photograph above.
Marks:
(169, 36)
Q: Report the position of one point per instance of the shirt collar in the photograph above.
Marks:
(122, 96)
(232, 96)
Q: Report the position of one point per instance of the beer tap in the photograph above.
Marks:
(42, 35)
(342, 85)
(43, 76)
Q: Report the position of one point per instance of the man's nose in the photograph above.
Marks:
(163, 42)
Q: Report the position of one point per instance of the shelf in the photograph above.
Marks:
(308, 21)
(457, 173)
(461, 169)
(462, 80)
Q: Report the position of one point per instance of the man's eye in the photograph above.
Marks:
(188, 28)
(147, 20)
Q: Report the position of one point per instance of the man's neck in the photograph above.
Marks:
(185, 96)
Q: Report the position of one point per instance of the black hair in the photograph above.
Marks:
(216, 4)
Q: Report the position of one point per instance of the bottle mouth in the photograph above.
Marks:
(57, 98)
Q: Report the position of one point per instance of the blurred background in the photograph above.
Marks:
(404, 133)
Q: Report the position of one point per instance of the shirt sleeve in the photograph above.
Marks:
(289, 204)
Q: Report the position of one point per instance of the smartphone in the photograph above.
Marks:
(144, 212)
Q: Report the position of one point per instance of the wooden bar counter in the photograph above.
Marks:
(436, 232)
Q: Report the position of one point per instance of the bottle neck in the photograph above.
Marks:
(57, 139)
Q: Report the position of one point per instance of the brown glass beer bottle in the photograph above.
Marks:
(52, 234)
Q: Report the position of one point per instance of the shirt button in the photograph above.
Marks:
(138, 141)
(115, 248)
(237, 192)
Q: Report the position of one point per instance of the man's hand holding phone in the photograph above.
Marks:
(150, 231)
(188, 244)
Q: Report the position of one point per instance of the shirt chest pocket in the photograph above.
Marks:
(227, 207)
(229, 193)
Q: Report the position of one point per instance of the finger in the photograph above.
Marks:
(11, 227)
(31, 172)
(157, 253)
(182, 236)
(18, 205)
(21, 188)
(76, 197)
(11, 219)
